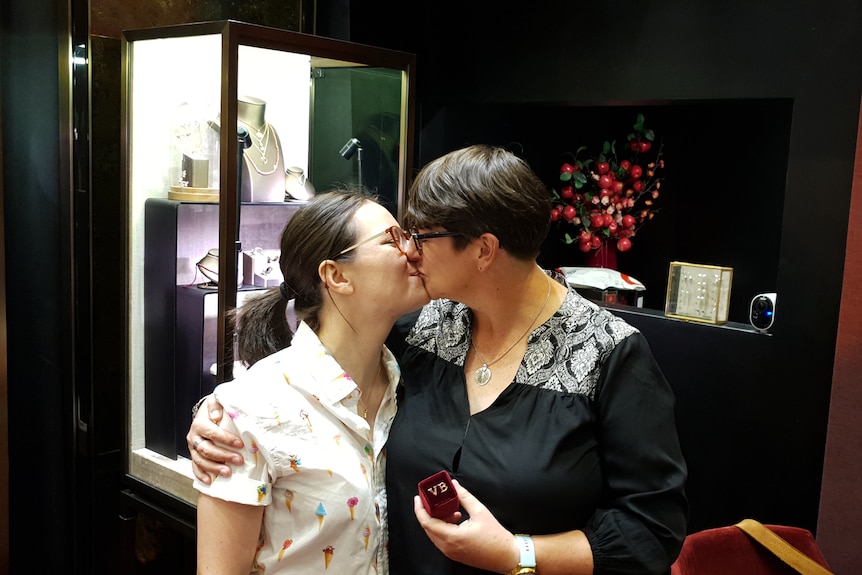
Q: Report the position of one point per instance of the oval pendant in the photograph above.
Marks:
(483, 375)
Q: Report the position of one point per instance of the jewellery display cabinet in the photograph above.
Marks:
(228, 128)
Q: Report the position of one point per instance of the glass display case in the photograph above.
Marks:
(228, 129)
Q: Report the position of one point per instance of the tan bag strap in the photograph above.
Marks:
(782, 549)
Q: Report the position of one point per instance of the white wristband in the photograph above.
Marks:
(527, 563)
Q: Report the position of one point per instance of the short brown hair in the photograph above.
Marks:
(482, 189)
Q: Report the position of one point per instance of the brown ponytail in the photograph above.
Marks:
(320, 228)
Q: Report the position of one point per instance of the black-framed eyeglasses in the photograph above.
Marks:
(419, 238)
(400, 238)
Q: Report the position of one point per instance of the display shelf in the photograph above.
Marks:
(194, 189)
(627, 310)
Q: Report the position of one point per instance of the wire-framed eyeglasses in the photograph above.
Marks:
(400, 239)
(418, 238)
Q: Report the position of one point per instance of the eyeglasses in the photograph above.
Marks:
(419, 238)
(400, 238)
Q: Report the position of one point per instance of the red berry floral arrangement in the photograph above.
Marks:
(607, 198)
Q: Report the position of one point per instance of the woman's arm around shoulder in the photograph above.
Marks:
(206, 441)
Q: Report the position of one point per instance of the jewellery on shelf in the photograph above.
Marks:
(261, 140)
(483, 374)
(259, 132)
(208, 265)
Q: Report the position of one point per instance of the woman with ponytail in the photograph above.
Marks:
(315, 405)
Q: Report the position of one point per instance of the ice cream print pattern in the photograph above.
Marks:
(321, 515)
(328, 553)
(317, 468)
(294, 462)
(284, 547)
(306, 418)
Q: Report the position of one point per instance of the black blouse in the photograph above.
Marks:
(584, 438)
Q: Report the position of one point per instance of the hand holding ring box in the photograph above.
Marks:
(438, 495)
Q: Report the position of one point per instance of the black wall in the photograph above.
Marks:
(752, 408)
(42, 465)
(724, 179)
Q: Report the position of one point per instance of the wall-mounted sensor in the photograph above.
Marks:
(761, 313)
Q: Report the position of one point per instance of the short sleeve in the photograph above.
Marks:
(251, 482)
(640, 526)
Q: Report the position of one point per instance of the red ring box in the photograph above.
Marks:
(438, 495)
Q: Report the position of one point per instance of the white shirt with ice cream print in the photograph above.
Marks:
(311, 459)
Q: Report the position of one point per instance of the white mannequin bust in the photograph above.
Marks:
(263, 175)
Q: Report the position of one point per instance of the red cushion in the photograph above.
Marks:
(729, 550)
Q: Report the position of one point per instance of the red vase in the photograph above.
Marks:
(603, 257)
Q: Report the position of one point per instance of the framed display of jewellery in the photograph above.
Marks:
(228, 128)
(698, 292)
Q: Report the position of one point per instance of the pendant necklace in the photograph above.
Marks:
(483, 374)
(261, 144)
(376, 375)
(262, 136)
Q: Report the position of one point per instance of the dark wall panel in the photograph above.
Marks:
(478, 53)
(42, 480)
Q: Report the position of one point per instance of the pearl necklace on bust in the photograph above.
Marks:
(261, 139)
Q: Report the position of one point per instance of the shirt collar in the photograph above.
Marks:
(331, 383)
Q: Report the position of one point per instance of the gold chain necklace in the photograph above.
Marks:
(483, 374)
(373, 386)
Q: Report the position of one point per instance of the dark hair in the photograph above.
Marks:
(318, 230)
(482, 189)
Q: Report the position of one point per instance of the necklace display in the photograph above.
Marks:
(483, 374)
(261, 139)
